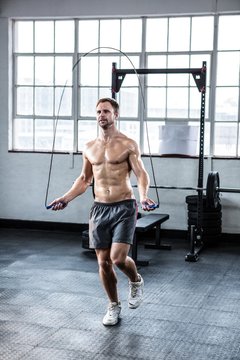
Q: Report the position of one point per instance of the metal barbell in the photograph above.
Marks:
(212, 189)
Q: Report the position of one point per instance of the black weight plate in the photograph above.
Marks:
(210, 230)
(213, 183)
(193, 207)
(214, 231)
(206, 223)
(192, 199)
(205, 216)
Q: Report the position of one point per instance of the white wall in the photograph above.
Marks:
(28, 8)
(23, 177)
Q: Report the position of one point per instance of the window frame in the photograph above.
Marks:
(143, 56)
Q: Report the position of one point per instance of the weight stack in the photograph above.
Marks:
(211, 219)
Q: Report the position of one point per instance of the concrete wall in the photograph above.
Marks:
(23, 177)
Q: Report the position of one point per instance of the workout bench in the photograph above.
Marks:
(145, 223)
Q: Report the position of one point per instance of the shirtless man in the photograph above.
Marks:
(109, 159)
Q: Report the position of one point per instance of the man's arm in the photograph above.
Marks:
(142, 176)
(79, 186)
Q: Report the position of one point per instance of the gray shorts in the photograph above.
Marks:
(112, 223)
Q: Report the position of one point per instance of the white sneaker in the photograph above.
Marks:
(135, 296)
(112, 315)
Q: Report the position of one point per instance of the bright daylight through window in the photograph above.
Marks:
(59, 73)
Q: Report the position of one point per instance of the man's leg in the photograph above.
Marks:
(109, 280)
(107, 274)
(120, 258)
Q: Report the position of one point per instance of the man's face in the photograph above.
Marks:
(106, 115)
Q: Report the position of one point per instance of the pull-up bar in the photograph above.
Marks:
(118, 75)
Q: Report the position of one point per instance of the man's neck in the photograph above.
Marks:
(108, 134)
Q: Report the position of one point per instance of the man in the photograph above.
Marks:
(109, 159)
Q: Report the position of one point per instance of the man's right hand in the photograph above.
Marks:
(58, 204)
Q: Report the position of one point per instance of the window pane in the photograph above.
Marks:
(89, 97)
(88, 35)
(228, 75)
(44, 101)
(227, 104)
(110, 34)
(105, 92)
(24, 101)
(153, 129)
(63, 70)
(44, 70)
(23, 134)
(105, 70)
(176, 62)
(89, 71)
(129, 102)
(177, 102)
(156, 35)
(24, 36)
(44, 36)
(64, 136)
(195, 103)
(87, 130)
(229, 30)
(130, 129)
(156, 62)
(133, 63)
(64, 36)
(43, 134)
(178, 138)
(131, 35)
(156, 102)
(225, 139)
(202, 33)
(179, 34)
(24, 70)
(63, 101)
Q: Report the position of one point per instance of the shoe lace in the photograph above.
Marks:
(111, 309)
(134, 289)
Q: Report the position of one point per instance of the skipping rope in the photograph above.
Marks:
(57, 118)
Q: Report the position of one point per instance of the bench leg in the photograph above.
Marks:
(134, 254)
(158, 244)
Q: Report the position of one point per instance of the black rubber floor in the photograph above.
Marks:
(52, 303)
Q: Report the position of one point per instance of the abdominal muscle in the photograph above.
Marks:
(112, 183)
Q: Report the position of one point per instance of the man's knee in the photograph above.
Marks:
(119, 261)
(104, 264)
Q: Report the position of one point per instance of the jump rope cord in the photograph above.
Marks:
(59, 108)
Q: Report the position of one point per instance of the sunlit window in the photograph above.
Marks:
(227, 122)
(62, 67)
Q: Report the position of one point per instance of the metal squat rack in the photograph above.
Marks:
(199, 75)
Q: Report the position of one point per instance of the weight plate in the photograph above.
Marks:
(192, 199)
(193, 207)
(206, 223)
(205, 216)
(212, 194)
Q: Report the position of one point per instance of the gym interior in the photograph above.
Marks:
(174, 68)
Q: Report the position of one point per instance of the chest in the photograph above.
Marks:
(112, 153)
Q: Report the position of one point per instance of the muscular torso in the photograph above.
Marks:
(111, 168)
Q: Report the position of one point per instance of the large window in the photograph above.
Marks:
(62, 67)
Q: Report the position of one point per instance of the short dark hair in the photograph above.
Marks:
(112, 101)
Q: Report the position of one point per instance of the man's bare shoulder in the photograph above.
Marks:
(129, 143)
(90, 143)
